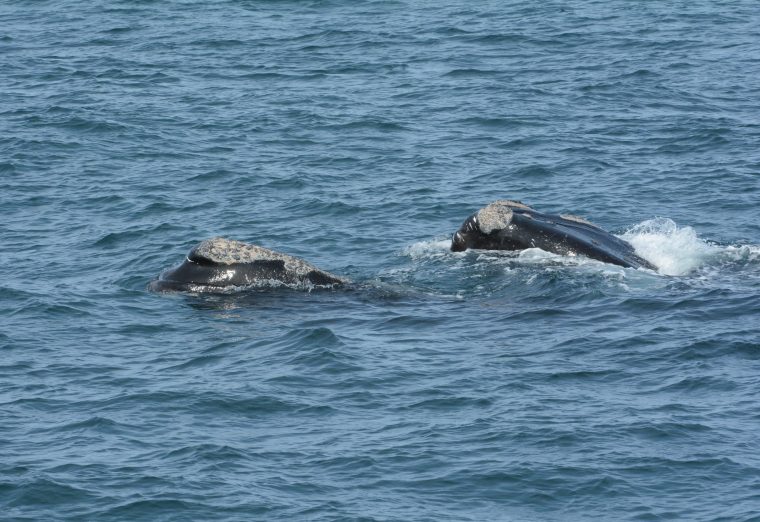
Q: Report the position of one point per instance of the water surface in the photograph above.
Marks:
(472, 386)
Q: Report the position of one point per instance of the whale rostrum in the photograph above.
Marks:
(218, 263)
(513, 225)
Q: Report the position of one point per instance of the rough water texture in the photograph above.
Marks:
(358, 136)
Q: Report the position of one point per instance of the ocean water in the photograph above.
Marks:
(359, 135)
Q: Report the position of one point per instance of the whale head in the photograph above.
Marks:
(474, 234)
(217, 264)
(486, 228)
(468, 235)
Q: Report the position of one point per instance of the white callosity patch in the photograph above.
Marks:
(512, 204)
(229, 251)
(498, 215)
(577, 219)
(494, 217)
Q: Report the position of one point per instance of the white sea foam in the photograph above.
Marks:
(427, 249)
(538, 257)
(746, 253)
(674, 250)
(259, 284)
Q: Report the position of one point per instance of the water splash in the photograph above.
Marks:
(431, 248)
(675, 250)
(741, 253)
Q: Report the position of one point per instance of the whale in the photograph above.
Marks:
(218, 264)
(513, 225)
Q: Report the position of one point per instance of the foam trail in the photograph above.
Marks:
(674, 250)
(430, 248)
(742, 253)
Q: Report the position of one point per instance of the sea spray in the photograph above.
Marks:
(674, 250)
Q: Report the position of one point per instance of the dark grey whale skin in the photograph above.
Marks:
(198, 272)
(529, 228)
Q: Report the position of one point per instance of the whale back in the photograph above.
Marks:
(513, 225)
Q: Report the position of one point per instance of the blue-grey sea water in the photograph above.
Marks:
(359, 135)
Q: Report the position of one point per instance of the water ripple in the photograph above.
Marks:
(440, 385)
